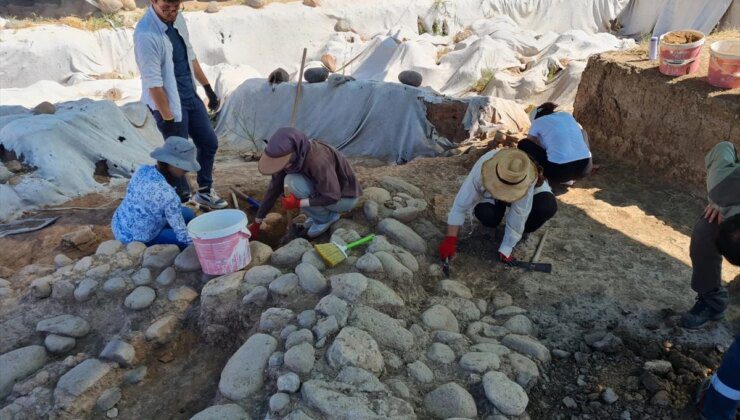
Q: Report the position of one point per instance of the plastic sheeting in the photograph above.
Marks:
(590, 16)
(275, 35)
(361, 118)
(64, 148)
(56, 53)
(661, 16)
(224, 79)
(523, 65)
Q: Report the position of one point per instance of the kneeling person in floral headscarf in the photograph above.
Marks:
(151, 211)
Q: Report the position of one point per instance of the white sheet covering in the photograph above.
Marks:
(518, 43)
(361, 118)
(661, 16)
(64, 148)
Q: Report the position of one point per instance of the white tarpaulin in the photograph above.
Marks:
(64, 148)
(361, 118)
(539, 15)
(56, 53)
(224, 79)
(519, 45)
(661, 16)
(522, 63)
(275, 35)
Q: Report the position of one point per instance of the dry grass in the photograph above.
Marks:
(118, 20)
(441, 52)
(480, 85)
(93, 23)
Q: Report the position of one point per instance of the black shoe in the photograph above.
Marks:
(700, 314)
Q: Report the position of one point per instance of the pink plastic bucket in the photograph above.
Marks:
(221, 240)
(680, 59)
(724, 64)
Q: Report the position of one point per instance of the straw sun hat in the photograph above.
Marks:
(508, 175)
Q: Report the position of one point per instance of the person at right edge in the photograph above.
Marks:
(719, 395)
(319, 178)
(723, 187)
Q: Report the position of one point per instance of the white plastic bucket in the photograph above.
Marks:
(221, 240)
(724, 64)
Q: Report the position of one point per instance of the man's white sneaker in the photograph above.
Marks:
(210, 199)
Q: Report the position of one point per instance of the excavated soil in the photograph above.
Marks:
(619, 249)
(657, 125)
(681, 37)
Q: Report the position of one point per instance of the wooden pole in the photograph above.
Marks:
(294, 112)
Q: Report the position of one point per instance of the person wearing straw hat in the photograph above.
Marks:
(503, 183)
(151, 211)
(558, 144)
(321, 181)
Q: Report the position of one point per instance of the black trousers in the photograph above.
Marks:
(706, 264)
(197, 125)
(554, 172)
(544, 207)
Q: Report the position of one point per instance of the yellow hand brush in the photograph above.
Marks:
(333, 253)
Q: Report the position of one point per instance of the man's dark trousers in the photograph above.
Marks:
(197, 125)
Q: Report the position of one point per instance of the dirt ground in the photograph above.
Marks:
(623, 100)
(618, 242)
(618, 245)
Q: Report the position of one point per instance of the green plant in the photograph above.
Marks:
(485, 77)
(552, 72)
(420, 26)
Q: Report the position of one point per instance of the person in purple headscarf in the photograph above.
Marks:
(320, 180)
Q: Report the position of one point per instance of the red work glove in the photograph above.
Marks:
(506, 260)
(448, 247)
(254, 230)
(291, 202)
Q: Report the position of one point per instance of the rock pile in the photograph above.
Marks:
(96, 306)
(319, 342)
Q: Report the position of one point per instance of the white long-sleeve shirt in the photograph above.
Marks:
(153, 52)
(472, 192)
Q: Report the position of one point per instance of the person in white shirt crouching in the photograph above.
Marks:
(504, 182)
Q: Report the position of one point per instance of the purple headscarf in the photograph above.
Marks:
(288, 140)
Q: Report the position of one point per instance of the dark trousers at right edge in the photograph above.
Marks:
(722, 398)
(706, 262)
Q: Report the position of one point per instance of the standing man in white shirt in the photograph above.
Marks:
(501, 179)
(169, 70)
